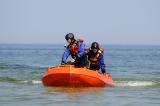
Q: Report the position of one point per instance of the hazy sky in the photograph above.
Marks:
(105, 21)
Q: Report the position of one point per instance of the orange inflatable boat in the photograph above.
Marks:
(69, 76)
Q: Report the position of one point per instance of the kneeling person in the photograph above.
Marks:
(95, 58)
(75, 49)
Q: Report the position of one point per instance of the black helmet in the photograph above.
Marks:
(69, 36)
(94, 45)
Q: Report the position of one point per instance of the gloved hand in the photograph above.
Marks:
(63, 63)
(103, 71)
(74, 57)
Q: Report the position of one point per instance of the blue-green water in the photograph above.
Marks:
(135, 70)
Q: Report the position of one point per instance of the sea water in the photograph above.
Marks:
(135, 70)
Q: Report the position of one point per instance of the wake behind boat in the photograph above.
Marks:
(70, 76)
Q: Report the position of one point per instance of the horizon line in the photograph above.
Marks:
(85, 43)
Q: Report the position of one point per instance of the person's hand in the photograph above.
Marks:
(74, 57)
(63, 63)
(103, 71)
(73, 60)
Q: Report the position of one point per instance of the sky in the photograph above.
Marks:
(104, 21)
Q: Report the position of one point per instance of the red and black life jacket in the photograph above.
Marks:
(73, 47)
(94, 58)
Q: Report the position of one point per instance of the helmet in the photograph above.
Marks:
(94, 45)
(69, 36)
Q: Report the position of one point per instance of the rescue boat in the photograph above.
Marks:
(70, 76)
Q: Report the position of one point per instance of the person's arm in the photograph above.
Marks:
(65, 56)
(101, 64)
(80, 49)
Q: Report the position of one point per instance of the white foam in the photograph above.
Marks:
(32, 81)
(36, 82)
(134, 83)
(24, 81)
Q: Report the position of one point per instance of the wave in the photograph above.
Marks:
(8, 79)
(13, 80)
(136, 83)
(19, 66)
(118, 83)
(31, 81)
